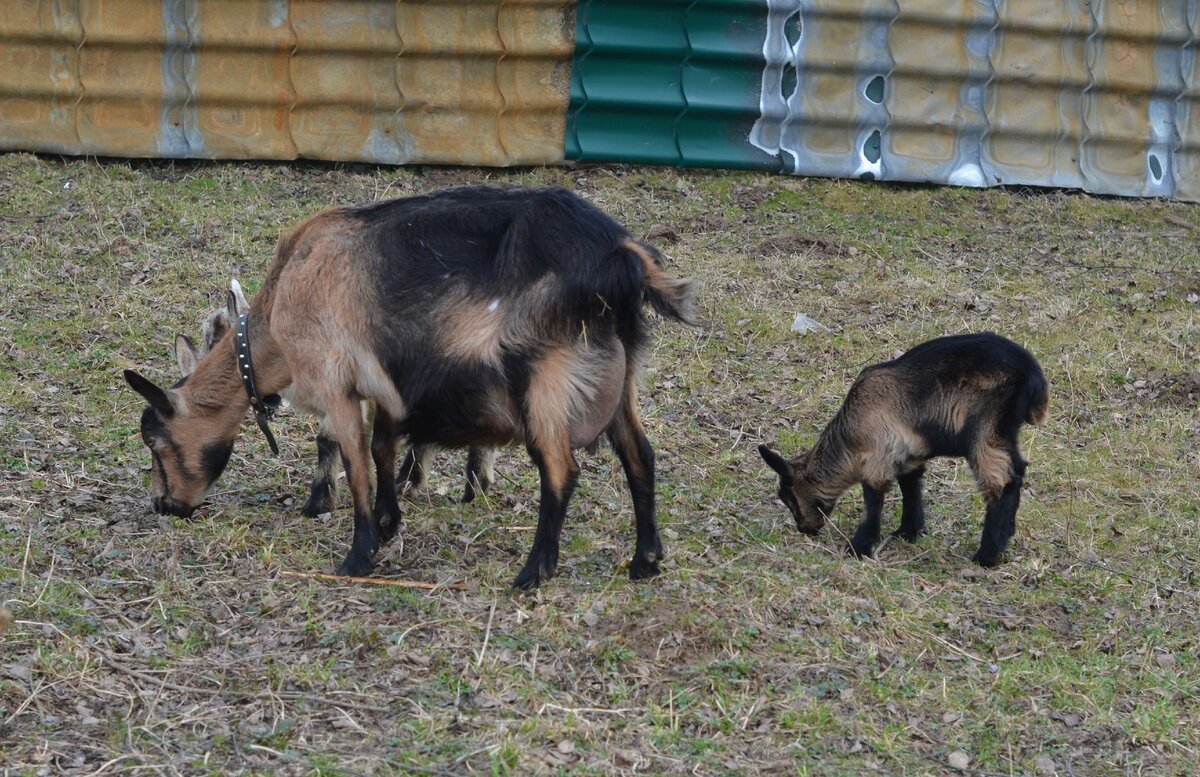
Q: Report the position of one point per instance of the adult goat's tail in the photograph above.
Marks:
(671, 297)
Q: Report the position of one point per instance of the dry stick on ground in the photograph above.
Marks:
(1178, 221)
(373, 581)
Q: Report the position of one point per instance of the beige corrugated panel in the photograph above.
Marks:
(458, 81)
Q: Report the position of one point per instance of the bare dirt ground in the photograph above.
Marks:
(141, 644)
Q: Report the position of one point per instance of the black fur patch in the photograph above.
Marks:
(213, 458)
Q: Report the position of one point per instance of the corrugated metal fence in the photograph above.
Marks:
(464, 82)
(1097, 95)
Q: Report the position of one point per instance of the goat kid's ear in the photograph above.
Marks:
(231, 306)
(237, 300)
(157, 398)
(186, 355)
(775, 461)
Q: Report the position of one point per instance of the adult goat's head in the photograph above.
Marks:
(187, 455)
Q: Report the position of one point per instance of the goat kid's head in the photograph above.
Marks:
(212, 328)
(797, 492)
(185, 458)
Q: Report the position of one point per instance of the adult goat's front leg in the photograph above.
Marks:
(346, 422)
(385, 439)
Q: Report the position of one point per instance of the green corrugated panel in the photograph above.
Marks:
(629, 79)
(667, 83)
(721, 81)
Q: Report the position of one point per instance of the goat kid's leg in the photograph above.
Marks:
(414, 470)
(912, 516)
(560, 474)
(629, 440)
(481, 472)
(324, 484)
(1000, 521)
(346, 420)
(385, 440)
(867, 535)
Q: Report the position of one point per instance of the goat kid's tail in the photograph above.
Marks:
(1037, 396)
(671, 297)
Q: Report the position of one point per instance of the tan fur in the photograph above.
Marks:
(631, 429)
(574, 392)
(321, 316)
(675, 292)
(471, 330)
(991, 466)
(893, 447)
(1041, 411)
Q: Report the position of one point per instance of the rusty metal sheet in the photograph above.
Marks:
(457, 81)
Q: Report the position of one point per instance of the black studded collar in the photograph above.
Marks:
(264, 407)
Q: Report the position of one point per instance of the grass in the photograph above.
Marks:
(176, 646)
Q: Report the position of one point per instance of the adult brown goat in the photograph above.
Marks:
(471, 316)
(965, 395)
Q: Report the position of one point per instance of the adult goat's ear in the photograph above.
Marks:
(157, 398)
(186, 355)
(776, 462)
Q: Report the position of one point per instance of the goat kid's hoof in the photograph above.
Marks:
(642, 569)
(859, 550)
(530, 579)
(908, 535)
(987, 561)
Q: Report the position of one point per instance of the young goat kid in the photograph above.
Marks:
(414, 470)
(964, 396)
(473, 316)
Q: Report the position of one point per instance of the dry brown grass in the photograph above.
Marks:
(143, 644)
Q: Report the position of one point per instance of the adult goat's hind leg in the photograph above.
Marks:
(560, 474)
(629, 440)
(346, 421)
